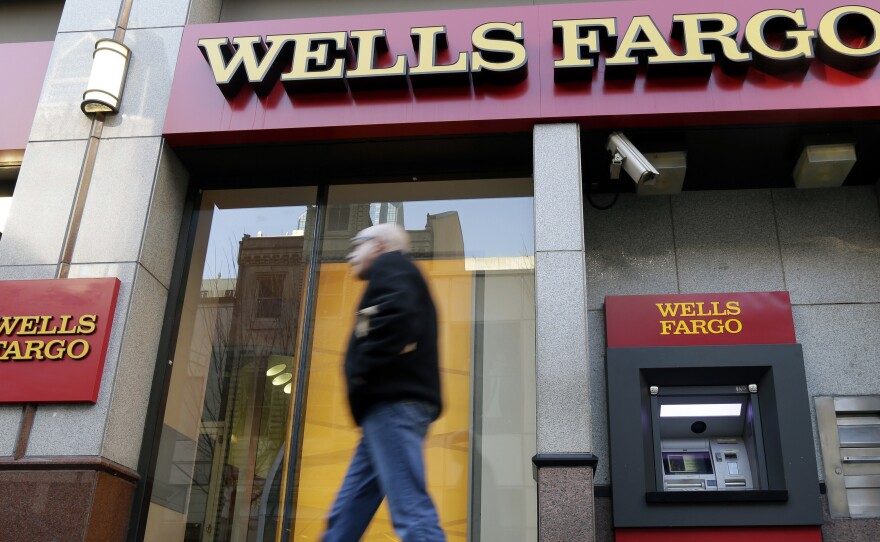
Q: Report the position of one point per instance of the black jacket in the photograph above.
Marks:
(392, 354)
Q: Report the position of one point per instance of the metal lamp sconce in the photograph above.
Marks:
(109, 67)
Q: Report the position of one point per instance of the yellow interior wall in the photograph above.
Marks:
(330, 435)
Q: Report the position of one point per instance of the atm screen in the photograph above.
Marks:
(687, 462)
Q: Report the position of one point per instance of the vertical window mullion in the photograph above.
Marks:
(300, 392)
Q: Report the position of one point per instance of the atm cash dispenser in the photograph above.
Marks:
(710, 438)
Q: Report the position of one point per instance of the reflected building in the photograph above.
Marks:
(441, 238)
(252, 323)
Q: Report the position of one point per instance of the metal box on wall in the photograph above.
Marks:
(849, 431)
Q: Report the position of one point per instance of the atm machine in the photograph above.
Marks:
(709, 438)
(710, 434)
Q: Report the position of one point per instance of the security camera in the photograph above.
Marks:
(625, 154)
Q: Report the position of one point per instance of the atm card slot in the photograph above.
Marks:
(694, 485)
(734, 483)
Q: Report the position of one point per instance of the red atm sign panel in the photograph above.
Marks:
(699, 319)
(53, 338)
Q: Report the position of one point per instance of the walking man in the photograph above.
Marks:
(393, 377)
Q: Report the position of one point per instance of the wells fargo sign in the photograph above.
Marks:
(773, 41)
(607, 64)
(699, 319)
(53, 338)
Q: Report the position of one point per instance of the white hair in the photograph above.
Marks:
(392, 237)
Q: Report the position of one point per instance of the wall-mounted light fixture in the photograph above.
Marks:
(824, 166)
(672, 167)
(109, 67)
(10, 164)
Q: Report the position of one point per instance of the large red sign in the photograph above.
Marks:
(53, 338)
(608, 64)
(699, 319)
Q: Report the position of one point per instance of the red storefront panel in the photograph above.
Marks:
(699, 319)
(53, 338)
(198, 112)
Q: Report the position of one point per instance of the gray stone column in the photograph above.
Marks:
(564, 464)
(87, 455)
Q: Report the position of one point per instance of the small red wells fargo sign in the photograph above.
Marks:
(53, 338)
(699, 319)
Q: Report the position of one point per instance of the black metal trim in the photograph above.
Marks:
(565, 460)
(301, 391)
(155, 415)
(602, 491)
(762, 495)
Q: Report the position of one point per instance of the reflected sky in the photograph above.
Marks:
(491, 228)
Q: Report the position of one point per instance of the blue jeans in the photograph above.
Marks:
(388, 461)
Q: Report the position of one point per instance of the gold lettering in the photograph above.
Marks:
(252, 61)
(428, 41)
(8, 324)
(733, 326)
(369, 45)
(83, 353)
(799, 53)
(733, 308)
(66, 329)
(579, 53)
(87, 323)
(642, 35)
(682, 328)
(499, 53)
(29, 325)
(832, 48)
(666, 326)
(716, 311)
(687, 309)
(44, 326)
(715, 326)
(34, 350)
(668, 309)
(13, 352)
(698, 44)
(318, 61)
(59, 350)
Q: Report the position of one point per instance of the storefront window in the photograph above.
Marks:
(238, 453)
(219, 472)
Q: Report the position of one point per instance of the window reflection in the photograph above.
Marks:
(221, 463)
(477, 255)
(224, 463)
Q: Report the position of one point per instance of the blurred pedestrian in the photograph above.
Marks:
(393, 377)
